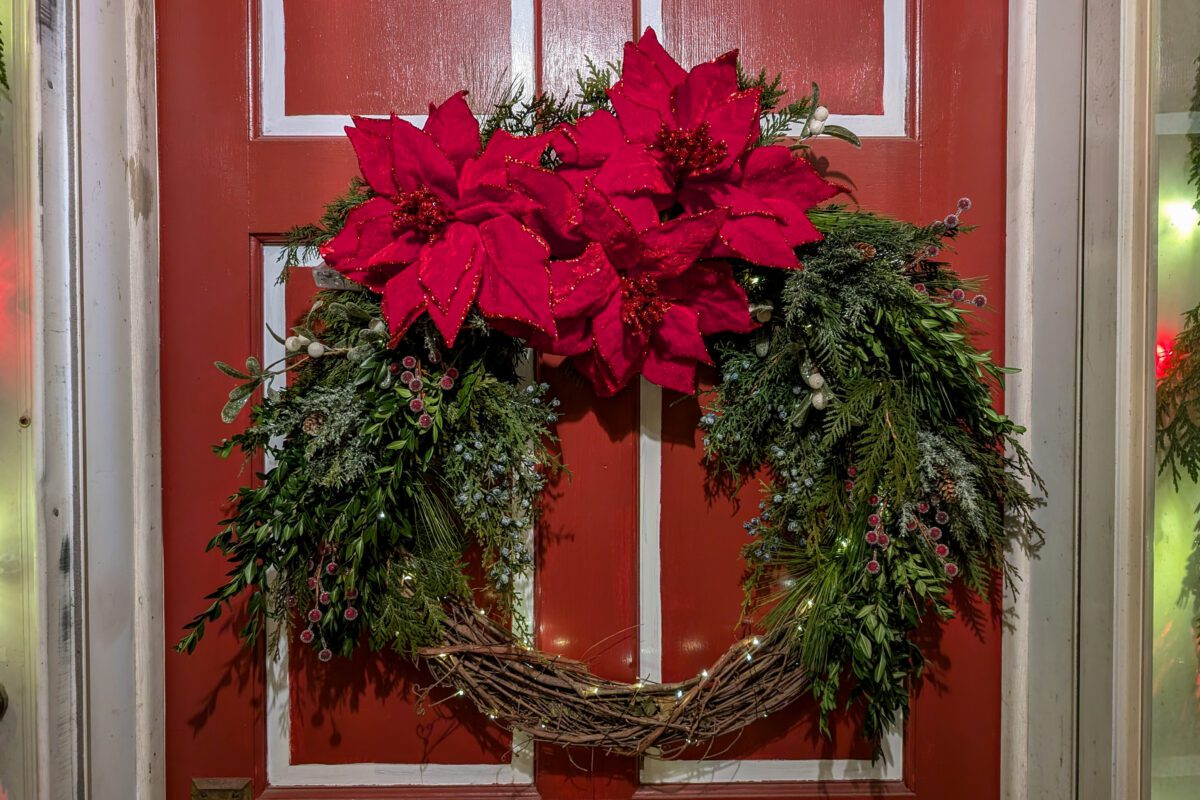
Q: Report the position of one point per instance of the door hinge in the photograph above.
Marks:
(221, 789)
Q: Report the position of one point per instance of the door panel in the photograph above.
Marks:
(805, 42)
(636, 565)
(364, 58)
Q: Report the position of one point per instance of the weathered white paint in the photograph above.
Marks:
(1043, 278)
(894, 119)
(828, 770)
(115, 223)
(272, 76)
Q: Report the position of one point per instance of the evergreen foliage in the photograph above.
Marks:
(863, 397)
(385, 462)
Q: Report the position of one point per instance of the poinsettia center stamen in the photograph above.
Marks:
(641, 305)
(692, 152)
(421, 211)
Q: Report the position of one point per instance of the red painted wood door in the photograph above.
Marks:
(636, 569)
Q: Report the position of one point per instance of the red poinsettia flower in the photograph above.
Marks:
(445, 229)
(688, 137)
(638, 301)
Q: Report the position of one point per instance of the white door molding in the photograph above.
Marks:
(99, 489)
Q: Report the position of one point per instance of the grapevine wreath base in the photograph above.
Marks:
(646, 228)
(556, 699)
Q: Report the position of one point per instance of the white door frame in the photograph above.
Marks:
(1074, 292)
(94, 175)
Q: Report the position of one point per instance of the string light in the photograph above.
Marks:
(755, 641)
(678, 693)
(703, 673)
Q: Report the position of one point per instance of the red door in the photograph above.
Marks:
(637, 570)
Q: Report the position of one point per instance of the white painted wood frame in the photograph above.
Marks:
(272, 75)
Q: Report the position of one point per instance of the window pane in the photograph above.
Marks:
(1175, 688)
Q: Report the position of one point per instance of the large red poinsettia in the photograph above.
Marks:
(446, 227)
(638, 300)
(687, 137)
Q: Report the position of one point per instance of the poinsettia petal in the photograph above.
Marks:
(446, 263)
(736, 125)
(775, 172)
(756, 239)
(622, 348)
(449, 322)
(583, 285)
(633, 169)
(672, 247)
(643, 79)
(679, 376)
(589, 141)
(556, 213)
(794, 223)
(706, 87)
(707, 194)
(649, 47)
(713, 295)
(592, 367)
(454, 129)
(372, 143)
(485, 201)
(403, 301)
(417, 162)
(574, 337)
(368, 229)
(677, 336)
(639, 122)
(403, 249)
(609, 226)
(516, 280)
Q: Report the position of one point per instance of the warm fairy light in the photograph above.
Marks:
(755, 641)
(1164, 353)
(1182, 215)
(703, 673)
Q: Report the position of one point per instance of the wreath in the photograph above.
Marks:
(655, 222)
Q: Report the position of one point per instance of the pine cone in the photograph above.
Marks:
(948, 490)
(312, 423)
(866, 251)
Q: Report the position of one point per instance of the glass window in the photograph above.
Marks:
(1175, 659)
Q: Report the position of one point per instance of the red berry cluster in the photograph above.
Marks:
(415, 377)
(327, 567)
(878, 538)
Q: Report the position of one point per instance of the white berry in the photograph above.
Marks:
(815, 127)
(820, 113)
(815, 381)
(316, 350)
(292, 343)
(819, 401)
